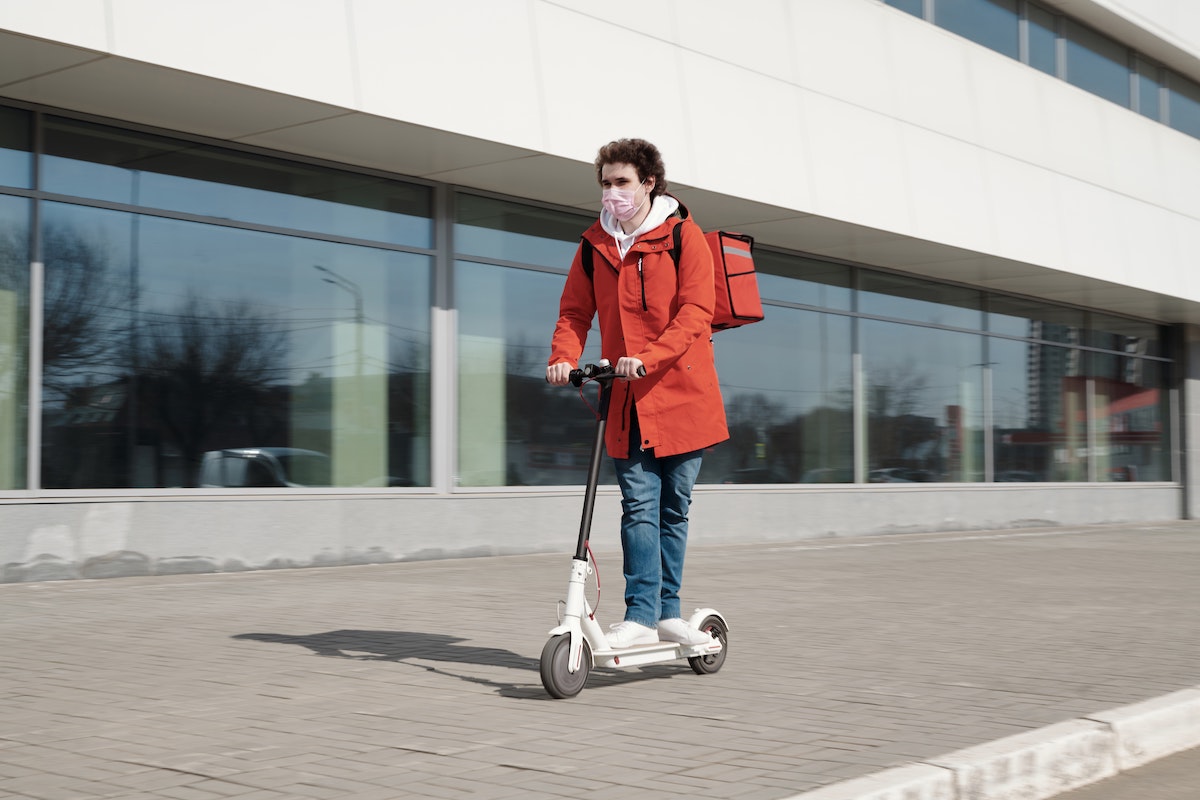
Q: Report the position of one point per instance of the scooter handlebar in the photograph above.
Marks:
(598, 372)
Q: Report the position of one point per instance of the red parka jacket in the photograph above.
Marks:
(650, 311)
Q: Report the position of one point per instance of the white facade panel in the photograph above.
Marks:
(1177, 21)
(466, 67)
(301, 49)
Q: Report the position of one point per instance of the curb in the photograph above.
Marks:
(1042, 763)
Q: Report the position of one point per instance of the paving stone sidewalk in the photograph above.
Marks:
(421, 680)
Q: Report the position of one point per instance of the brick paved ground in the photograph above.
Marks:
(420, 679)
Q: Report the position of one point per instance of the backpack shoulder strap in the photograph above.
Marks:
(586, 256)
(676, 243)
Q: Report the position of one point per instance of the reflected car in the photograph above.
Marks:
(258, 467)
(1017, 476)
(756, 475)
(889, 475)
(829, 475)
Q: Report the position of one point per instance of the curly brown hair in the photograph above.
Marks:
(643, 156)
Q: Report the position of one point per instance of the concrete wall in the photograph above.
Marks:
(121, 537)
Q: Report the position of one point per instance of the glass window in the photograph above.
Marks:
(1041, 40)
(885, 295)
(1149, 89)
(16, 145)
(806, 281)
(1097, 64)
(121, 166)
(792, 422)
(1130, 430)
(171, 347)
(924, 403)
(1016, 316)
(1123, 335)
(914, 7)
(991, 23)
(1040, 412)
(14, 340)
(507, 231)
(1183, 105)
(514, 428)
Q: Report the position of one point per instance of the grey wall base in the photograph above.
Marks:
(74, 538)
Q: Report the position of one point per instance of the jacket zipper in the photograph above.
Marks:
(642, 281)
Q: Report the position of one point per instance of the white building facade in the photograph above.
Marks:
(277, 279)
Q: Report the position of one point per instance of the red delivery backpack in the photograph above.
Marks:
(734, 278)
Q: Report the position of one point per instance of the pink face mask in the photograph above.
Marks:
(621, 203)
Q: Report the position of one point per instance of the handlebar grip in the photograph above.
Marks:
(597, 372)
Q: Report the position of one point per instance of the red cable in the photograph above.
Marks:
(596, 569)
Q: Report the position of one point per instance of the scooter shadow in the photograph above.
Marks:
(405, 646)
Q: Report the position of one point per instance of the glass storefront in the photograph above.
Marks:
(514, 429)
(292, 350)
(217, 318)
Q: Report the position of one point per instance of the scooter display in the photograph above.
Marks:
(577, 643)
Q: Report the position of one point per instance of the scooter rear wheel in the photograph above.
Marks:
(559, 681)
(715, 627)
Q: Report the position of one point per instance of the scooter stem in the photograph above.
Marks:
(593, 478)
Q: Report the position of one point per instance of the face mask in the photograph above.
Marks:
(621, 203)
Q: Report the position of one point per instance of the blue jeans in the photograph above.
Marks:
(655, 495)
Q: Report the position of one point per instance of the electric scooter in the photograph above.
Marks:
(578, 643)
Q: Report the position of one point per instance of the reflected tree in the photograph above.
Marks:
(208, 367)
(895, 396)
(755, 434)
(84, 311)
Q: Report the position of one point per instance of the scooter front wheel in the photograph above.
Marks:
(715, 627)
(559, 681)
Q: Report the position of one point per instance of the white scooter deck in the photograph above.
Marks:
(652, 653)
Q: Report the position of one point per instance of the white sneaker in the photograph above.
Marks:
(628, 633)
(676, 630)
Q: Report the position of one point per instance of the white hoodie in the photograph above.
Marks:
(662, 207)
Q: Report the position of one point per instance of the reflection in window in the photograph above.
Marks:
(514, 428)
(1097, 64)
(914, 7)
(14, 340)
(1149, 88)
(507, 231)
(806, 281)
(1183, 105)
(991, 23)
(1130, 436)
(1015, 316)
(793, 422)
(122, 166)
(1041, 41)
(1123, 335)
(1039, 411)
(885, 295)
(924, 403)
(167, 341)
(16, 145)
